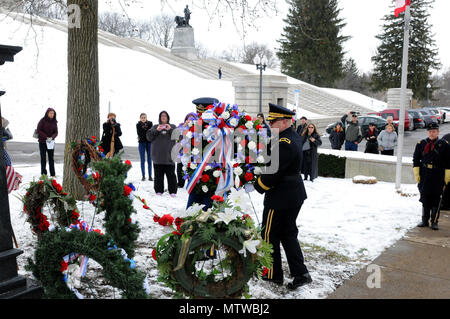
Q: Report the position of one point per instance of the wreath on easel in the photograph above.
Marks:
(84, 154)
(70, 240)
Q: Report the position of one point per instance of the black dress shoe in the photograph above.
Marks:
(143, 178)
(150, 179)
(300, 281)
(423, 224)
(278, 282)
(434, 226)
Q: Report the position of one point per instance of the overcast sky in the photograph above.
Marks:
(363, 18)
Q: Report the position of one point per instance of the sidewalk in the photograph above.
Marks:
(415, 267)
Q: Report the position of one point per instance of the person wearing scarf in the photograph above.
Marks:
(371, 138)
(431, 162)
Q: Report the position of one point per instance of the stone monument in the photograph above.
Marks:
(183, 41)
(11, 284)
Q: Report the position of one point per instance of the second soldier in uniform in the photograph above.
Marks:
(284, 195)
(432, 172)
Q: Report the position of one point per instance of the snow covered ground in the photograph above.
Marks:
(342, 227)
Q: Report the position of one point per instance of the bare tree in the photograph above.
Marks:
(116, 23)
(162, 30)
(248, 53)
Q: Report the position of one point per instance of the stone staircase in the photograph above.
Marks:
(311, 98)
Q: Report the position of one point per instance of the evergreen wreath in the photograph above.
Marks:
(211, 254)
(54, 245)
(48, 191)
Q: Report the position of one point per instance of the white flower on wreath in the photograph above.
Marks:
(206, 133)
(225, 115)
(205, 188)
(227, 216)
(239, 199)
(251, 145)
(193, 166)
(257, 170)
(234, 122)
(238, 171)
(184, 168)
(237, 139)
(194, 209)
(216, 173)
(249, 245)
(189, 134)
(260, 159)
(249, 124)
(195, 151)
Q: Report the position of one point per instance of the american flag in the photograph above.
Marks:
(13, 179)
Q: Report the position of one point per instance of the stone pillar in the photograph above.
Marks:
(184, 43)
(274, 90)
(393, 98)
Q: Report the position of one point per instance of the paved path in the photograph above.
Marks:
(416, 267)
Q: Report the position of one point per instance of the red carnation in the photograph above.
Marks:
(145, 207)
(94, 138)
(217, 198)
(92, 198)
(75, 214)
(205, 178)
(156, 218)
(248, 118)
(166, 220)
(127, 190)
(64, 266)
(248, 176)
(235, 165)
(128, 162)
(265, 271)
(258, 127)
(177, 233)
(97, 231)
(178, 221)
(154, 254)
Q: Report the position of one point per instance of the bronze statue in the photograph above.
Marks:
(184, 21)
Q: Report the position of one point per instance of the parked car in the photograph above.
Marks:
(395, 113)
(418, 119)
(364, 122)
(445, 113)
(428, 117)
(436, 113)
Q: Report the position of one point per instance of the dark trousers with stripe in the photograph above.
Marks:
(280, 227)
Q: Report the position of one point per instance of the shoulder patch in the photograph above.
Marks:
(285, 139)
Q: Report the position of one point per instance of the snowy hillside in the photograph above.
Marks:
(132, 81)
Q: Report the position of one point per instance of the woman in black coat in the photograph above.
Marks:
(311, 141)
(337, 137)
(371, 137)
(111, 143)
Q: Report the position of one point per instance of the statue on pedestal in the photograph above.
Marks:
(183, 22)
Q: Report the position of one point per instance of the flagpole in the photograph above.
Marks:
(401, 125)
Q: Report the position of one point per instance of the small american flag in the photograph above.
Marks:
(13, 179)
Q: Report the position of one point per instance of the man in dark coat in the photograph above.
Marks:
(371, 139)
(302, 125)
(432, 172)
(110, 136)
(284, 195)
(446, 196)
(47, 130)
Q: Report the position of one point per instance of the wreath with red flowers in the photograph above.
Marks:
(210, 254)
(50, 192)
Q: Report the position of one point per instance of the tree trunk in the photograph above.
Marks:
(83, 118)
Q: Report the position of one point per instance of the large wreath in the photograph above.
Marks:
(212, 254)
(240, 140)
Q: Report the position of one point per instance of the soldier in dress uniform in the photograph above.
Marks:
(284, 195)
(432, 173)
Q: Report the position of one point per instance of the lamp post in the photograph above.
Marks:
(261, 66)
(428, 94)
(11, 284)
